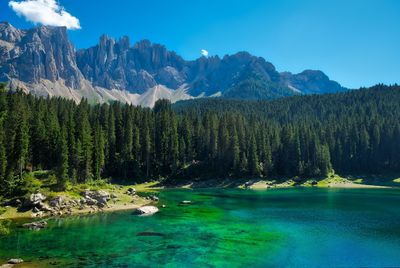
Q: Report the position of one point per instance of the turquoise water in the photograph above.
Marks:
(226, 228)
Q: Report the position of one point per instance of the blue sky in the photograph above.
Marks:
(355, 42)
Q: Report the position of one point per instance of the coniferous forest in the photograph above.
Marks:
(307, 136)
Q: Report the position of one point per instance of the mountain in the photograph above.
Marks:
(43, 61)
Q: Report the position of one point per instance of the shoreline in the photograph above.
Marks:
(128, 202)
(87, 211)
(71, 203)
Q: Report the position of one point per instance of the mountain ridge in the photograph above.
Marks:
(44, 61)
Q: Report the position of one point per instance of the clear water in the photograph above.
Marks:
(226, 228)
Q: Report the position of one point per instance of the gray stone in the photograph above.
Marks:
(35, 210)
(146, 210)
(36, 199)
(90, 201)
(131, 191)
(56, 202)
(39, 214)
(35, 225)
(15, 261)
(154, 198)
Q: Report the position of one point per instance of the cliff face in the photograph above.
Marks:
(115, 65)
(44, 56)
(39, 53)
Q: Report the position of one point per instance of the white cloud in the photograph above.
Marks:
(204, 52)
(46, 12)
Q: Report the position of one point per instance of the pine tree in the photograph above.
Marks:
(253, 164)
(98, 151)
(62, 169)
(234, 151)
(84, 145)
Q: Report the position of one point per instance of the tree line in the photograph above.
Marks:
(306, 136)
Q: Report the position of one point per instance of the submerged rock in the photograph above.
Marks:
(35, 225)
(146, 210)
(149, 234)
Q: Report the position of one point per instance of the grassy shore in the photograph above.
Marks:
(38, 182)
(331, 181)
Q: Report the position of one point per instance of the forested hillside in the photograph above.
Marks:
(354, 132)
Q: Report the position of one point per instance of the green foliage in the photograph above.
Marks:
(255, 89)
(301, 136)
(30, 184)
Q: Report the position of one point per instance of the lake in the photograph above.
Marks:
(302, 227)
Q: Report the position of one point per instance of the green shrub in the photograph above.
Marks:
(31, 184)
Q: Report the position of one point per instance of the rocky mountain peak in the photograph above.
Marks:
(40, 53)
(45, 53)
(124, 43)
(9, 33)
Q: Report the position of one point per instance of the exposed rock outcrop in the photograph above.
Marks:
(36, 199)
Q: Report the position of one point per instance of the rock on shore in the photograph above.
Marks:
(15, 261)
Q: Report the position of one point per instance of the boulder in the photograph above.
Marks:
(35, 210)
(131, 191)
(97, 197)
(90, 201)
(15, 261)
(46, 208)
(154, 198)
(56, 202)
(101, 195)
(146, 210)
(37, 214)
(36, 199)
